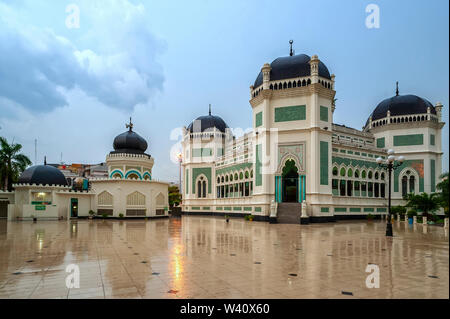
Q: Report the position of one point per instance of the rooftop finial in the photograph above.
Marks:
(45, 160)
(291, 52)
(209, 109)
(396, 90)
(129, 126)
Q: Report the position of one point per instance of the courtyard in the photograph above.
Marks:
(205, 257)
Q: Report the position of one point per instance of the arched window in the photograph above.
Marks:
(349, 188)
(294, 84)
(350, 173)
(303, 83)
(376, 175)
(363, 174)
(342, 188)
(411, 184)
(284, 85)
(342, 171)
(246, 174)
(370, 175)
(204, 189)
(335, 171)
(404, 186)
(271, 87)
(356, 173)
(231, 177)
(289, 85)
(235, 176)
(199, 189)
(226, 179)
(299, 83)
(308, 82)
(251, 174)
(218, 180)
(241, 176)
(222, 179)
(382, 176)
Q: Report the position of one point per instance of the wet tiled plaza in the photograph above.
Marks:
(205, 257)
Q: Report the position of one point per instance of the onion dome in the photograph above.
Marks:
(402, 105)
(292, 66)
(42, 174)
(207, 123)
(129, 142)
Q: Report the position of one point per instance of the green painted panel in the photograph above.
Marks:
(357, 153)
(349, 152)
(323, 163)
(206, 208)
(201, 152)
(381, 142)
(237, 208)
(324, 209)
(407, 140)
(368, 209)
(432, 139)
(227, 208)
(355, 209)
(382, 209)
(219, 208)
(363, 154)
(258, 119)
(354, 162)
(201, 170)
(342, 151)
(258, 209)
(247, 209)
(220, 152)
(433, 175)
(335, 150)
(340, 209)
(195, 208)
(323, 113)
(290, 113)
(258, 165)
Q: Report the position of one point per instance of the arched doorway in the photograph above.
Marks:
(290, 182)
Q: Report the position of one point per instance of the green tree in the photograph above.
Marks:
(174, 196)
(12, 163)
(444, 193)
(426, 203)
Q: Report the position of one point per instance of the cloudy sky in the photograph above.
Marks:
(163, 62)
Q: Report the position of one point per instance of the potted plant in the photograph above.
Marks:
(34, 218)
(120, 215)
(91, 214)
(105, 215)
(370, 217)
(227, 218)
(411, 213)
(250, 218)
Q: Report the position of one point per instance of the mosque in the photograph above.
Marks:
(42, 191)
(297, 165)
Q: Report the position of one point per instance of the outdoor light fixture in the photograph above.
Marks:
(390, 164)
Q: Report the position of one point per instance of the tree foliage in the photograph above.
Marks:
(12, 163)
(174, 196)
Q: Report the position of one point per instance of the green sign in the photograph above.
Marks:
(40, 203)
(39, 207)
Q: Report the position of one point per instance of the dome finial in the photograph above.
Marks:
(210, 109)
(129, 126)
(396, 90)
(291, 52)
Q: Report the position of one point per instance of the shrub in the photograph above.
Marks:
(91, 212)
(370, 216)
(120, 215)
(105, 215)
(398, 210)
(412, 213)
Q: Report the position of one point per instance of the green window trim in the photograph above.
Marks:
(196, 171)
(237, 208)
(369, 209)
(324, 163)
(433, 175)
(258, 119)
(355, 209)
(258, 209)
(340, 209)
(258, 165)
(201, 152)
(324, 209)
(432, 139)
(290, 113)
(381, 209)
(247, 209)
(408, 140)
(381, 142)
(324, 113)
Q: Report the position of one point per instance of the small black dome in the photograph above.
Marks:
(292, 67)
(204, 123)
(129, 142)
(43, 174)
(402, 105)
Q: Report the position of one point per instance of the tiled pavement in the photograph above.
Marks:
(204, 257)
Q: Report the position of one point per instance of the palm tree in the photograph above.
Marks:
(426, 203)
(12, 163)
(444, 192)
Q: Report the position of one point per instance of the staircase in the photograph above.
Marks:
(289, 213)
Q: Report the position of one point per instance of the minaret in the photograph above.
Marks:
(439, 107)
(314, 63)
(266, 75)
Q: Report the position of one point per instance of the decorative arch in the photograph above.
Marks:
(127, 175)
(105, 198)
(201, 183)
(160, 199)
(285, 158)
(115, 173)
(409, 172)
(136, 199)
(147, 176)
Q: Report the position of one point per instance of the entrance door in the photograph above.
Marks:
(290, 182)
(74, 207)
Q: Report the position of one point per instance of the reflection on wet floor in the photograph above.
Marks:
(205, 257)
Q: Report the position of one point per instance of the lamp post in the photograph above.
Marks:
(390, 164)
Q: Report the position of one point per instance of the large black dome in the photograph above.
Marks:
(207, 122)
(129, 142)
(43, 174)
(292, 67)
(402, 105)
